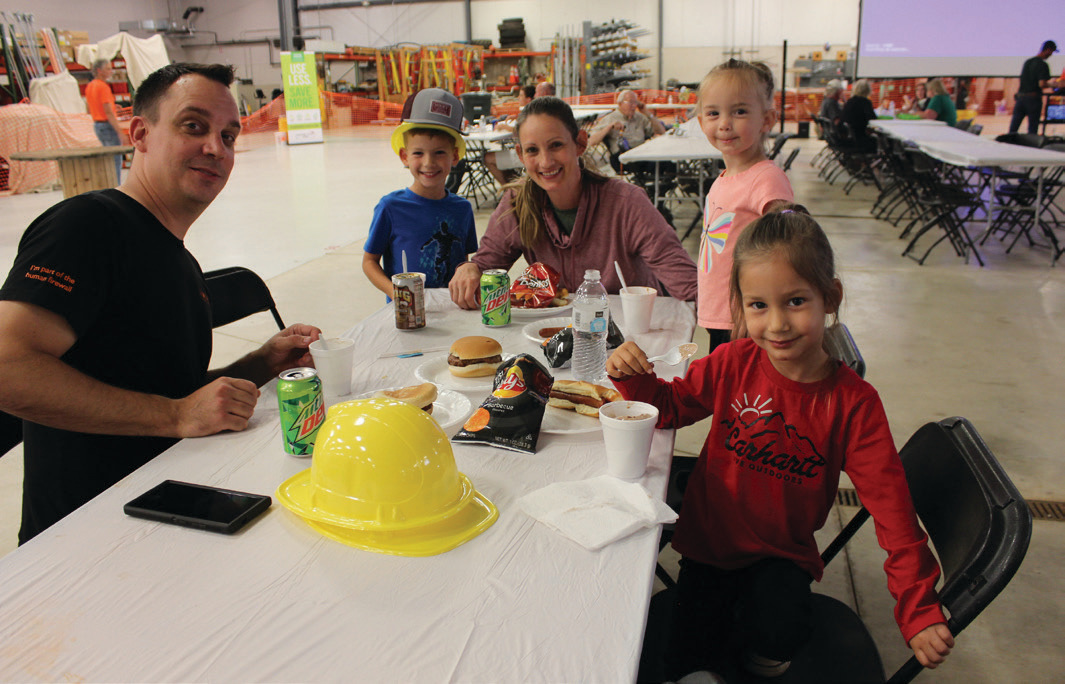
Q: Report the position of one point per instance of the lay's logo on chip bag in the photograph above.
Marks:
(513, 384)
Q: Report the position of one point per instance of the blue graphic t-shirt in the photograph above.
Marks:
(437, 235)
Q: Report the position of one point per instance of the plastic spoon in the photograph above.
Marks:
(620, 277)
(676, 354)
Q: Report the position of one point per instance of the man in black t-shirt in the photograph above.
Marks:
(1035, 75)
(105, 322)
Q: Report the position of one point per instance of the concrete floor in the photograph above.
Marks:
(943, 339)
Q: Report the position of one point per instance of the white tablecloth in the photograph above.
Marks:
(105, 597)
(689, 147)
(982, 152)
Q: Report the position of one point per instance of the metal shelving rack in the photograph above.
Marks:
(612, 52)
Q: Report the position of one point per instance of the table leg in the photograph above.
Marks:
(656, 183)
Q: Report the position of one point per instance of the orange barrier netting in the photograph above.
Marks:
(340, 110)
(986, 96)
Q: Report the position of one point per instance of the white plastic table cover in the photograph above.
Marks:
(688, 147)
(102, 596)
(981, 152)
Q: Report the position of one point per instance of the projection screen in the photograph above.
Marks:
(916, 38)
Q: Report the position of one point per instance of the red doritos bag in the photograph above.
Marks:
(538, 287)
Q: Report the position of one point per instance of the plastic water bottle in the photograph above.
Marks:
(591, 319)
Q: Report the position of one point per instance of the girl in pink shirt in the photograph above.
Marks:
(736, 114)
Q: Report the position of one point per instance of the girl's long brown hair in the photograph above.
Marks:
(792, 230)
(530, 200)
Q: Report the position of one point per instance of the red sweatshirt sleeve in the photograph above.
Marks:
(682, 401)
(874, 467)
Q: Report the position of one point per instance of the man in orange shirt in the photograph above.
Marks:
(101, 102)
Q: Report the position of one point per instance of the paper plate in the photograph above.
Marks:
(435, 370)
(532, 330)
(449, 410)
(515, 312)
(565, 422)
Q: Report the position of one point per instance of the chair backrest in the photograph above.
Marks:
(476, 105)
(978, 522)
(976, 129)
(1025, 139)
(236, 293)
(963, 124)
(976, 519)
(840, 345)
(787, 162)
(778, 144)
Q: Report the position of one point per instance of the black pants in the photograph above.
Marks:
(719, 614)
(1030, 106)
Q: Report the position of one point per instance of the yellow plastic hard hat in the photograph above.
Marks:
(383, 478)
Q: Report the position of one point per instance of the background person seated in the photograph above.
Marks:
(624, 128)
(919, 102)
(831, 108)
(504, 164)
(857, 113)
(940, 106)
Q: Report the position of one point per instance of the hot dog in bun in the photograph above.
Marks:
(474, 356)
(582, 397)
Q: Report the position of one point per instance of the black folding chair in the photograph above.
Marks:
(980, 527)
(236, 293)
(778, 144)
(786, 166)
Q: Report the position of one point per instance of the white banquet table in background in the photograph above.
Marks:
(692, 146)
(105, 597)
(962, 149)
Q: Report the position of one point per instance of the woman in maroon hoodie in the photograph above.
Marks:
(572, 219)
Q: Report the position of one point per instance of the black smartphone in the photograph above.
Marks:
(198, 506)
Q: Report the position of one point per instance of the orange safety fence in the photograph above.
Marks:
(985, 96)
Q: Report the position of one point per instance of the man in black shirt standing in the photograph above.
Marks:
(105, 320)
(1035, 75)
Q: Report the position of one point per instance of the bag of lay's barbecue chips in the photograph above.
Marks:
(510, 417)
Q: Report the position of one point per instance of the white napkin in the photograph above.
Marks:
(598, 511)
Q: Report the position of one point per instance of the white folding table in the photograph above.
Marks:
(101, 596)
(691, 146)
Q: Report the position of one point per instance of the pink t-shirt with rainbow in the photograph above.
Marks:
(733, 202)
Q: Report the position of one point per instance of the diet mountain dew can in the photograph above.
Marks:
(299, 396)
(495, 298)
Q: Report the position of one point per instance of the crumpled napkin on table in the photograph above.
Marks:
(598, 511)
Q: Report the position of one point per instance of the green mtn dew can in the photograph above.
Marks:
(495, 298)
(299, 396)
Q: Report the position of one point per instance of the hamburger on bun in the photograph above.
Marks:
(582, 397)
(474, 356)
(422, 395)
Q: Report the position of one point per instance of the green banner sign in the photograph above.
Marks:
(302, 110)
